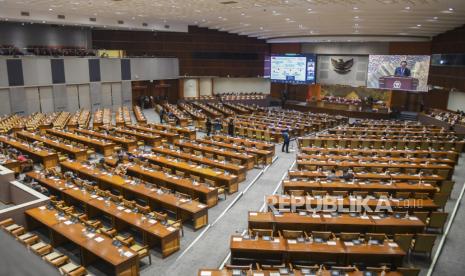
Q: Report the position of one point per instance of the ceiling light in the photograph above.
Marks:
(355, 8)
(50, 9)
(407, 8)
(356, 17)
(418, 25)
(435, 18)
(451, 9)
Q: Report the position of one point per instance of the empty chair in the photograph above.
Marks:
(381, 194)
(71, 269)
(423, 244)
(296, 192)
(41, 248)
(340, 193)
(437, 220)
(446, 187)
(322, 235)
(261, 232)
(56, 259)
(440, 200)
(292, 234)
(344, 236)
(404, 241)
(423, 216)
(379, 237)
(409, 271)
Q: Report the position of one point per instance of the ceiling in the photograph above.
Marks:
(265, 19)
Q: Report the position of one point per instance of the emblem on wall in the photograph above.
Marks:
(341, 66)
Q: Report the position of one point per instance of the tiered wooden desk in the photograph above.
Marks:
(283, 250)
(207, 195)
(128, 144)
(246, 160)
(48, 159)
(91, 247)
(140, 117)
(76, 153)
(182, 131)
(238, 170)
(170, 136)
(106, 148)
(147, 137)
(341, 223)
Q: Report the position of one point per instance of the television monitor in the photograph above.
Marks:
(398, 72)
(293, 68)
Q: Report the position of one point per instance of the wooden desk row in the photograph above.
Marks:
(47, 158)
(275, 272)
(238, 170)
(207, 195)
(349, 203)
(378, 159)
(92, 246)
(332, 142)
(344, 222)
(383, 152)
(128, 144)
(79, 154)
(140, 117)
(106, 148)
(280, 250)
(352, 186)
(245, 142)
(148, 138)
(246, 160)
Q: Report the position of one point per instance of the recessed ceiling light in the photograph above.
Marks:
(50, 9)
(451, 9)
(435, 18)
(418, 25)
(407, 8)
(355, 8)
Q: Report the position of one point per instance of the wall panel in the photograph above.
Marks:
(106, 95)
(60, 98)
(95, 95)
(5, 107)
(456, 101)
(191, 88)
(72, 98)
(206, 86)
(84, 96)
(117, 97)
(3, 73)
(226, 85)
(46, 99)
(37, 71)
(18, 102)
(126, 92)
(76, 70)
(32, 100)
(110, 69)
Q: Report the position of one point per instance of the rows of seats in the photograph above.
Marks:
(42, 249)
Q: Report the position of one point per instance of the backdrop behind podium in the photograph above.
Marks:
(398, 83)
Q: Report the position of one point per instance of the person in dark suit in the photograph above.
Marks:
(402, 71)
(208, 125)
(231, 127)
(287, 140)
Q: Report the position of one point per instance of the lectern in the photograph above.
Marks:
(398, 83)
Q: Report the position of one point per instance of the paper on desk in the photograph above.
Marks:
(127, 211)
(331, 243)
(99, 239)
(205, 273)
(393, 244)
(67, 222)
(253, 214)
(128, 254)
(42, 208)
(120, 208)
(237, 239)
(375, 217)
(327, 216)
(152, 221)
(90, 235)
(413, 218)
(348, 243)
(292, 241)
(171, 229)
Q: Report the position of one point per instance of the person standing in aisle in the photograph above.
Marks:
(287, 140)
(231, 127)
(208, 125)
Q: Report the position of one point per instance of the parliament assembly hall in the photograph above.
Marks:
(232, 137)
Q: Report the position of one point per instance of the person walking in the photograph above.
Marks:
(231, 127)
(218, 126)
(162, 113)
(208, 125)
(287, 140)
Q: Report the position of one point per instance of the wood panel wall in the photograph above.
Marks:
(189, 48)
(450, 42)
(159, 90)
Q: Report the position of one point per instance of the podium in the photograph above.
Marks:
(398, 83)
